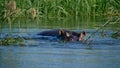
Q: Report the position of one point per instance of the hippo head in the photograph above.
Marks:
(68, 36)
(78, 37)
(65, 36)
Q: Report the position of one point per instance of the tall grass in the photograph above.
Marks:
(14, 10)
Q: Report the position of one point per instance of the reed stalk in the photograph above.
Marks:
(66, 8)
(101, 27)
(60, 9)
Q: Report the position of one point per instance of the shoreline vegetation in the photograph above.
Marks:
(12, 10)
(52, 12)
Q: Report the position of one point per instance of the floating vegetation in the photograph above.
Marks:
(12, 41)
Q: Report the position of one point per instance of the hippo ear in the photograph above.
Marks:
(61, 32)
(81, 36)
(67, 34)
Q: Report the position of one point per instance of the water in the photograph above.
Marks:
(101, 52)
(35, 57)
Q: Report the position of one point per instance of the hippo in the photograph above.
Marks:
(63, 34)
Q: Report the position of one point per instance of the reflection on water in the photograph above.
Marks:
(68, 23)
(52, 54)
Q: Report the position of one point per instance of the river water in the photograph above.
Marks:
(98, 52)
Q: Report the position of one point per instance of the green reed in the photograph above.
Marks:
(60, 9)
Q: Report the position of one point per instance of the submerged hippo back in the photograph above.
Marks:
(49, 33)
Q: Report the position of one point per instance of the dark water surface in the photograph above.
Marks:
(103, 52)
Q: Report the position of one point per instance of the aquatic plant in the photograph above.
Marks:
(12, 41)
